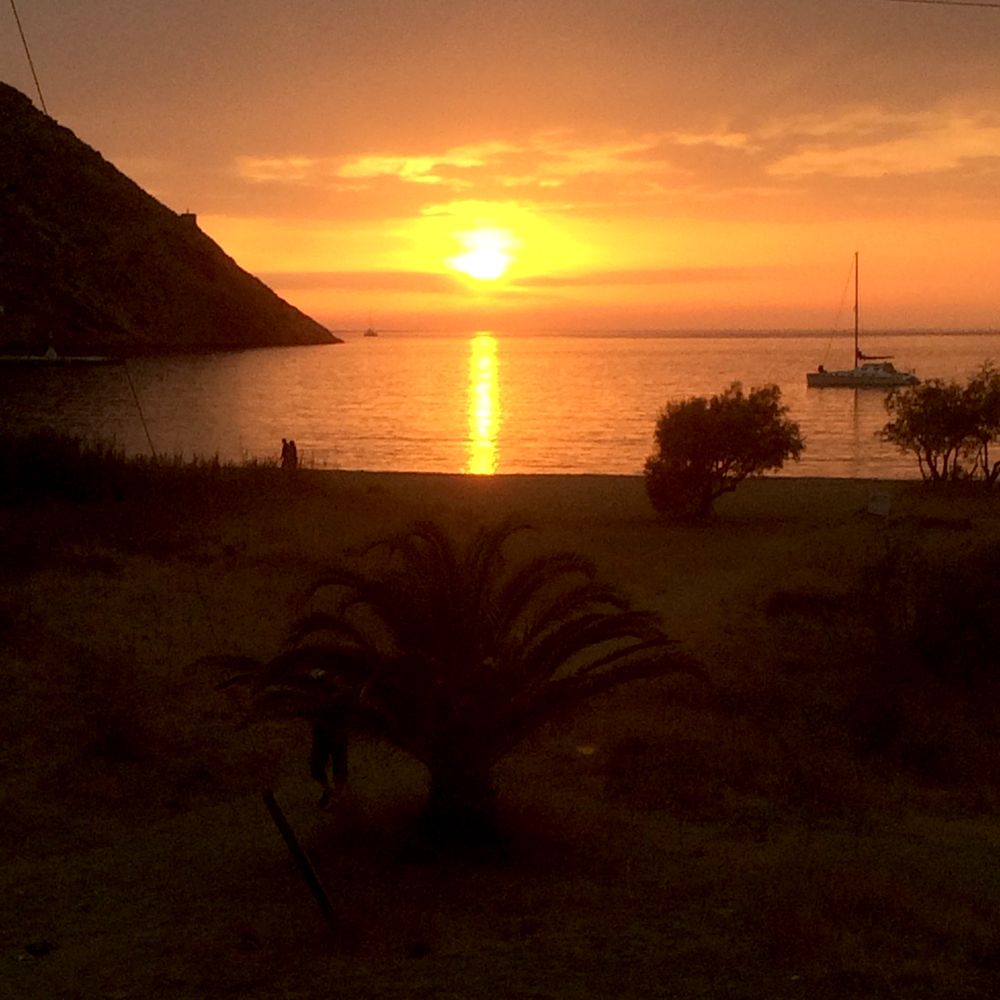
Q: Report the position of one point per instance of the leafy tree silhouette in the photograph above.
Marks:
(707, 447)
(948, 426)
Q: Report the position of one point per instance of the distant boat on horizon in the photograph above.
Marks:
(371, 332)
(870, 371)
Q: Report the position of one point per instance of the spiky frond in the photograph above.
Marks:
(332, 627)
(236, 669)
(457, 653)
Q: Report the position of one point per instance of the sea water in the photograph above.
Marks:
(480, 402)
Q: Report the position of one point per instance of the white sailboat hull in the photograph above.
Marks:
(874, 375)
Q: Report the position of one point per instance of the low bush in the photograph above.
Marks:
(707, 447)
(904, 664)
(48, 465)
(948, 427)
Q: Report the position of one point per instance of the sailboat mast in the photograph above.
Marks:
(857, 349)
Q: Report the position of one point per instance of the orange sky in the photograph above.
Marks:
(635, 164)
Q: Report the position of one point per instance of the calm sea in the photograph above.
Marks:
(479, 403)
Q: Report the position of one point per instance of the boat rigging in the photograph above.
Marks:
(870, 371)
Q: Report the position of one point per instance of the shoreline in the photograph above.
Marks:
(626, 493)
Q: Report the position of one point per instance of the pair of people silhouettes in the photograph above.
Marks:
(289, 455)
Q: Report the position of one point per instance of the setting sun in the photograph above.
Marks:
(487, 253)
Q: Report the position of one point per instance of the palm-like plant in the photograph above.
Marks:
(456, 656)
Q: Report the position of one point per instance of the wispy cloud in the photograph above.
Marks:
(871, 144)
(424, 169)
(563, 171)
(721, 138)
(545, 159)
(281, 169)
(643, 277)
(396, 281)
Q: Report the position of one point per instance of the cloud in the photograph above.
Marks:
(411, 169)
(872, 145)
(397, 281)
(617, 174)
(720, 138)
(277, 169)
(644, 277)
(544, 159)
(556, 171)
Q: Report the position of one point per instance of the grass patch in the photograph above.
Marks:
(47, 465)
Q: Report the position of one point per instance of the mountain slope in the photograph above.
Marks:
(91, 262)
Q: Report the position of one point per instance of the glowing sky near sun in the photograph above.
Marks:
(556, 163)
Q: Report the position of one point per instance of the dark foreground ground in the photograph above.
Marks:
(824, 826)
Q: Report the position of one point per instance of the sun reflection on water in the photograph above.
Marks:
(484, 405)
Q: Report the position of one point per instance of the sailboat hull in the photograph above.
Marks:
(880, 375)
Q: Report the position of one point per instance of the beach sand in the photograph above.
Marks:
(666, 843)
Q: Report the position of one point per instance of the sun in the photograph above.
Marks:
(487, 253)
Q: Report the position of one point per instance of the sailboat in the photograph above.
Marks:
(51, 357)
(870, 371)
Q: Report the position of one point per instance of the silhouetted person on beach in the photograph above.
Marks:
(289, 456)
(329, 747)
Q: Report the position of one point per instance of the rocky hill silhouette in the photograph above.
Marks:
(91, 262)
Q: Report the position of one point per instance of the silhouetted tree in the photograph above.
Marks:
(983, 397)
(455, 656)
(707, 447)
(946, 424)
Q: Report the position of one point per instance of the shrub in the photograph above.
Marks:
(455, 656)
(983, 396)
(46, 464)
(946, 424)
(707, 447)
(939, 616)
(49, 465)
(933, 421)
(929, 694)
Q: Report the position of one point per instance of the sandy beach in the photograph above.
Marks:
(665, 843)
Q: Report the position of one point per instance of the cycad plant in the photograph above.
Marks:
(456, 655)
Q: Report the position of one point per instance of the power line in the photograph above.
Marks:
(142, 415)
(951, 3)
(27, 52)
